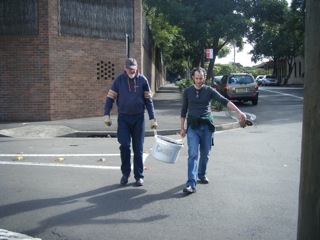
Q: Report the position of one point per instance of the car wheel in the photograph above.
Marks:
(255, 101)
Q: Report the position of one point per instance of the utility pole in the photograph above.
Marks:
(234, 54)
(309, 194)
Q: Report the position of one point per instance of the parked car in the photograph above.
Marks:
(239, 87)
(259, 78)
(269, 80)
(216, 81)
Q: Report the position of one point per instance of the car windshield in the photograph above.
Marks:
(270, 76)
(240, 80)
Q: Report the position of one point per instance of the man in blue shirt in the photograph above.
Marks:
(132, 94)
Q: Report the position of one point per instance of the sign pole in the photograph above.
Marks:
(128, 45)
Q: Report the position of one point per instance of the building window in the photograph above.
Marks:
(19, 17)
(107, 19)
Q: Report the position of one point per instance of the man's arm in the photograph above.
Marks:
(183, 130)
(233, 107)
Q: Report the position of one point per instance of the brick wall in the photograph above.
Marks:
(79, 69)
(51, 77)
(24, 74)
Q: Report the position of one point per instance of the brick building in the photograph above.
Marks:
(59, 57)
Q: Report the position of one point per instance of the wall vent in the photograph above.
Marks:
(105, 71)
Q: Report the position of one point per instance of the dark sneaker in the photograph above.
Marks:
(124, 180)
(189, 189)
(139, 182)
(204, 180)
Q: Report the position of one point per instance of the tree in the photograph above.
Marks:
(269, 26)
(292, 35)
(268, 18)
(168, 38)
(205, 24)
(280, 37)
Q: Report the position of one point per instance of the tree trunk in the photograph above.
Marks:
(274, 71)
(290, 63)
(309, 195)
(210, 69)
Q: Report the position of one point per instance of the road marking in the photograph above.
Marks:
(21, 163)
(60, 155)
(59, 165)
(284, 94)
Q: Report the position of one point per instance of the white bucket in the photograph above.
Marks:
(166, 149)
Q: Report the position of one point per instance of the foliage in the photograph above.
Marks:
(222, 69)
(220, 22)
(280, 35)
(168, 38)
(269, 16)
(217, 106)
(184, 83)
(292, 35)
(184, 29)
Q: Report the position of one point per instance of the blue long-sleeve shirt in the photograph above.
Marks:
(132, 96)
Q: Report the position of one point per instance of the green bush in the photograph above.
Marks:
(184, 83)
(217, 106)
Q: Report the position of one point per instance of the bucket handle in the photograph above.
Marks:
(155, 134)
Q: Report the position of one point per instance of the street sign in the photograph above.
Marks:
(209, 53)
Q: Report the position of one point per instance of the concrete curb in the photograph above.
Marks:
(148, 133)
(66, 132)
(113, 134)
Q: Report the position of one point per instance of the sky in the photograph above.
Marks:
(243, 57)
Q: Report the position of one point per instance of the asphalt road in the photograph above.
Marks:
(253, 191)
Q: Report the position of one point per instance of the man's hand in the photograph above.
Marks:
(242, 119)
(153, 124)
(107, 120)
(242, 116)
(182, 132)
(245, 122)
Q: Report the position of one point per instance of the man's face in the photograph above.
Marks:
(198, 78)
(130, 72)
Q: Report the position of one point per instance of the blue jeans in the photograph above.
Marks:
(131, 127)
(198, 139)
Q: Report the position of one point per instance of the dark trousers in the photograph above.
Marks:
(131, 127)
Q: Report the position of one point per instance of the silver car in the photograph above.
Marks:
(259, 78)
(269, 80)
(239, 87)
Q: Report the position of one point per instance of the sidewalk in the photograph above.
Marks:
(167, 102)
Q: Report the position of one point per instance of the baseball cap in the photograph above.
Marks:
(131, 63)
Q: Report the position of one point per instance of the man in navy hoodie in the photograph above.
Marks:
(132, 94)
